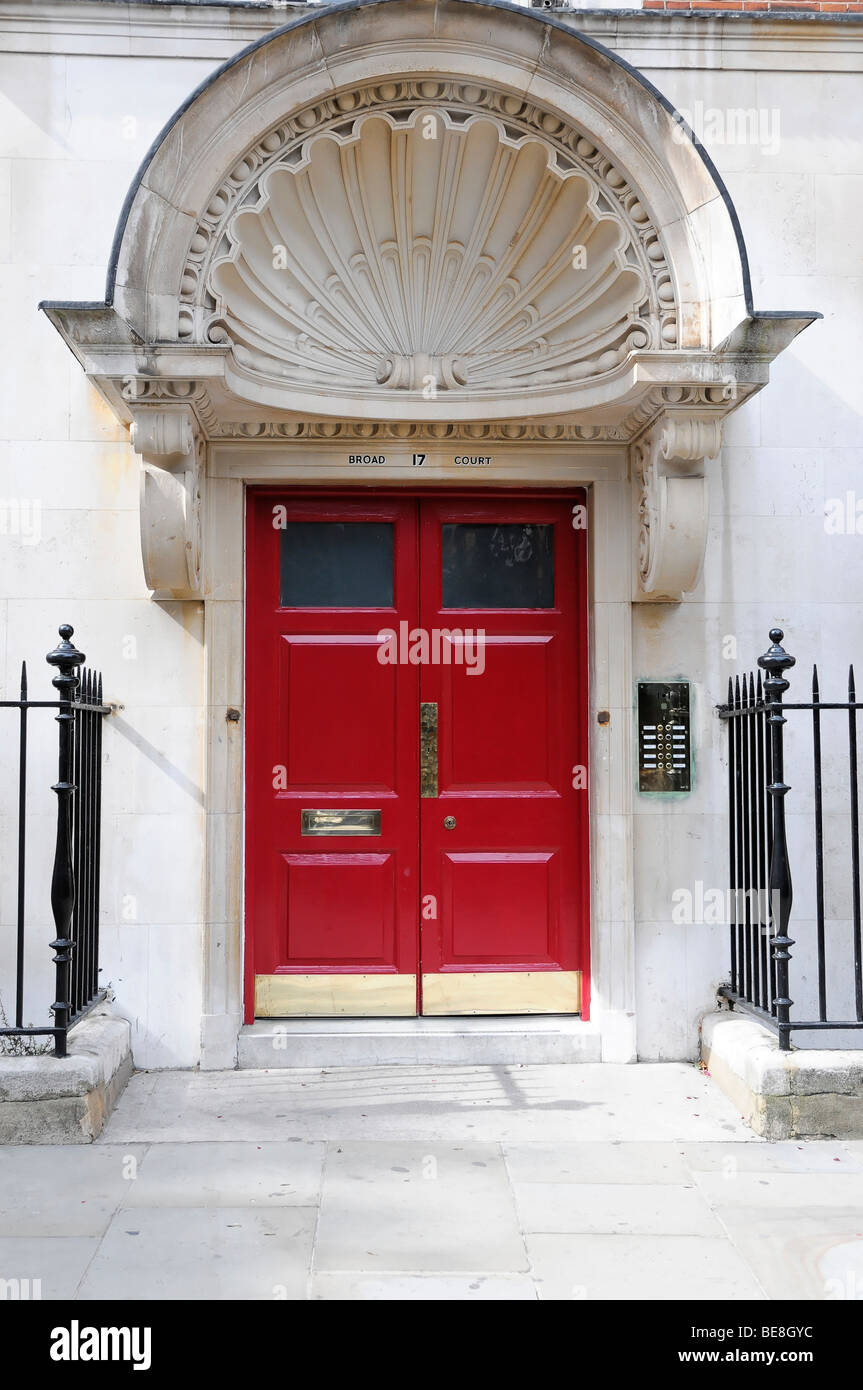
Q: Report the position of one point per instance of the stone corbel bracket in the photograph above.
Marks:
(173, 468)
(669, 468)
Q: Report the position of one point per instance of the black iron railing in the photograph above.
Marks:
(74, 889)
(761, 894)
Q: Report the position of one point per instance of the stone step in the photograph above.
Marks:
(387, 1042)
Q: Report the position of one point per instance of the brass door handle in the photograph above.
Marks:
(428, 749)
(449, 822)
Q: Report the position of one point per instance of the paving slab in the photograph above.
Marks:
(229, 1175)
(58, 1263)
(614, 1208)
(783, 1190)
(803, 1253)
(424, 1207)
(598, 1161)
(784, 1156)
(64, 1190)
(423, 1288)
(203, 1253)
(631, 1267)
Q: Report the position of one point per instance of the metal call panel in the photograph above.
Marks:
(428, 749)
(664, 736)
(350, 821)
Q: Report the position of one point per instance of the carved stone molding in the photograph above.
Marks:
(270, 425)
(173, 467)
(722, 397)
(669, 465)
(385, 431)
(142, 390)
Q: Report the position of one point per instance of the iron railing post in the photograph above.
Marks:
(22, 849)
(775, 661)
(66, 658)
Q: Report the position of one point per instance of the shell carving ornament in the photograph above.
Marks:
(474, 245)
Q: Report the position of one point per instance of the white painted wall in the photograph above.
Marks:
(73, 129)
(769, 560)
(79, 103)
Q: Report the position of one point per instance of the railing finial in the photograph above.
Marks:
(776, 659)
(66, 657)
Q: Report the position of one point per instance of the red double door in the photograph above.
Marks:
(416, 802)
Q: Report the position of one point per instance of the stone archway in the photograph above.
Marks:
(423, 222)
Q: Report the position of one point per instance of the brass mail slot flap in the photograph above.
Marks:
(350, 821)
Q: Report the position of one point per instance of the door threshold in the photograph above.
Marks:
(478, 1040)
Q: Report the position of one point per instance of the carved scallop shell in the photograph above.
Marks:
(422, 251)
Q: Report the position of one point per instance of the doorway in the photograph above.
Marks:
(416, 754)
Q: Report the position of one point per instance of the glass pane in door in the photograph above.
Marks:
(507, 565)
(337, 564)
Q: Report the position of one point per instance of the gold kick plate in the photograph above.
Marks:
(428, 749)
(502, 992)
(335, 996)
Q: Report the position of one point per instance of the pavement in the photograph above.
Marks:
(457, 1183)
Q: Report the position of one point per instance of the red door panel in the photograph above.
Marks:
(316, 888)
(509, 877)
(329, 741)
(525, 759)
(500, 907)
(329, 728)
